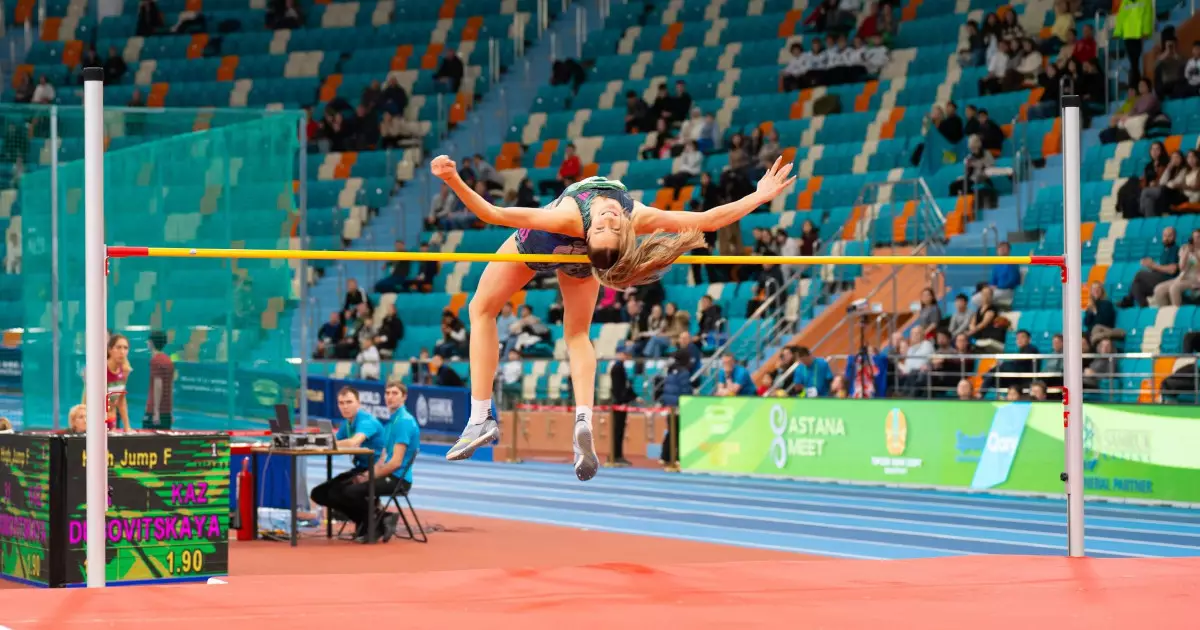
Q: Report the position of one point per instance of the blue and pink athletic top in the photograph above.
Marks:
(584, 192)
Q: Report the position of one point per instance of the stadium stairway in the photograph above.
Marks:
(403, 217)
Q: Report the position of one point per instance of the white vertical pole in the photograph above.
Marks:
(302, 202)
(1073, 329)
(55, 304)
(97, 328)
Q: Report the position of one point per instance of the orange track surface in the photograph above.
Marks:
(484, 573)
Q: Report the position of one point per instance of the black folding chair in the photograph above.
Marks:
(393, 500)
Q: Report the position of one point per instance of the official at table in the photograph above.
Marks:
(394, 475)
(347, 492)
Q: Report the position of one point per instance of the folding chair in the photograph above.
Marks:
(394, 500)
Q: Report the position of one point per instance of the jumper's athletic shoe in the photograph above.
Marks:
(474, 436)
(586, 462)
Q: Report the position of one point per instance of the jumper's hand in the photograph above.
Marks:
(443, 167)
(776, 180)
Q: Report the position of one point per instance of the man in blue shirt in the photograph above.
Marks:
(1005, 278)
(733, 379)
(812, 376)
(404, 441)
(347, 492)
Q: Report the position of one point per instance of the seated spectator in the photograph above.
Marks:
(77, 419)
(838, 389)
(1053, 366)
(677, 383)
(328, 336)
(914, 366)
(454, 340)
(1130, 121)
(396, 132)
(637, 113)
(419, 369)
(1062, 29)
(1154, 272)
(368, 360)
(654, 337)
(1171, 292)
(685, 343)
(569, 172)
(821, 17)
(1011, 29)
(990, 134)
(966, 391)
(768, 153)
(1100, 318)
(114, 67)
(1129, 195)
(710, 135)
(1156, 200)
(818, 65)
(661, 144)
(686, 168)
(679, 104)
(443, 375)
(1191, 72)
(997, 68)
(149, 18)
(792, 77)
(1037, 391)
(1100, 368)
(1010, 372)
(449, 74)
(355, 295)
(390, 333)
(960, 319)
(866, 374)
(1005, 277)
(660, 109)
(930, 315)
(709, 315)
(1085, 47)
(1168, 72)
(733, 379)
(949, 371)
(812, 377)
(528, 335)
(977, 162)
(487, 173)
(511, 378)
(975, 54)
(398, 271)
(394, 98)
(1028, 66)
(44, 93)
(983, 327)
(689, 130)
(504, 324)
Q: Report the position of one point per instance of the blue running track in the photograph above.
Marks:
(821, 519)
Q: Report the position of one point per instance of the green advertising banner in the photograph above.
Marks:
(1136, 452)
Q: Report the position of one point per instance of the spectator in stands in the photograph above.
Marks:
(837, 389)
(114, 67)
(511, 374)
(866, 374)
(685, 343)
(355, 295)
(149, 18)
(390, 333)
(44, 93)
(929, 317)
(368, 360)
(997, 69)
(1102, 367)
(960, 319)
(504, 325)
(398, 271)
(1028, 65)
(679, 321)
(689, 131)
(394, 98)
(639, 327)
(569, 172)
(820, 17)
(1037, 391)
(951, 126)
(1168, 71)
(1130, 121)
(77, 419)
(679, 104)
(810, 238)
(426, 273)
(608, 306)
(1191, 73)
(449, 74)
(660, 109)
(734, 379)
(1100, 318)
(22, 88)
(328, 336)
(1153, 273)
(975, 54)
(812, 377)
(1053, 366)
(687, 167)
(976, 164)
(637, 113)
(654, 338)
(1063, 27)
(708, 315)
(444, 375)
(949, 371)
(989, 132)
(418, 368)
(396, 132)
(660, 144)
(1134, 24)
(285, 17)
(487, 173)
(914, 366)
(983, 327)
(1005, 277)
(965, 390)
(1171, 292)
(453, 342)
(1010, 29)
(1090, 86)
(1010, 367)
(768, 153)
(791, 78)
(1157, 199)
(678, 383)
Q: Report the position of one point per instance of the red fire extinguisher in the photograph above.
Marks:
(245, 481)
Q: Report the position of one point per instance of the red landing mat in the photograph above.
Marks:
(979, 592)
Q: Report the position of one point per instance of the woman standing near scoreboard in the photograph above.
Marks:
(118, 368)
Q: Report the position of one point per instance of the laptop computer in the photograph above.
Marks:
(282, 422)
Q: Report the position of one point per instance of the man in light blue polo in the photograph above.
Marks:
(404, 441)
(347, 492)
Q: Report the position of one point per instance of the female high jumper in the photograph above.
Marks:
(597, 217)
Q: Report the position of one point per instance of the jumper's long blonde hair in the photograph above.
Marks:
(642, 262)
